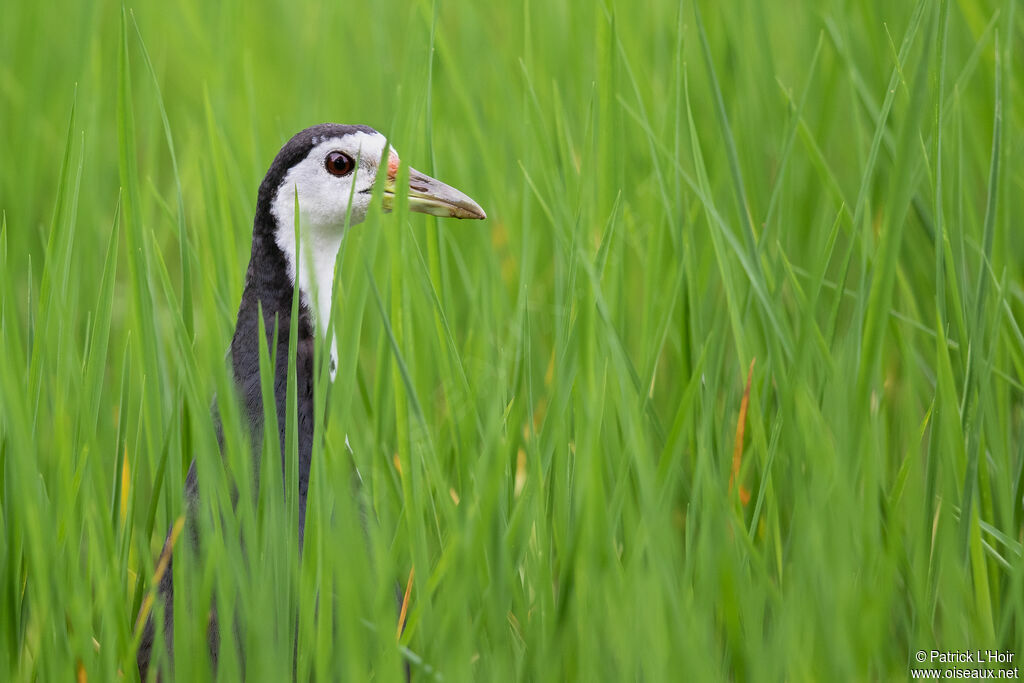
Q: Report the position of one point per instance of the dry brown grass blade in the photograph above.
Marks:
(405, 604)
(737, 452)
(161, 567)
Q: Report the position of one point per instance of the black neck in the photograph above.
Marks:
(268, 285)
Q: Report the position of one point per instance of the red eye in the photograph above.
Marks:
(339, 163)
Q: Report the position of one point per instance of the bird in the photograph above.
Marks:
(330, 172)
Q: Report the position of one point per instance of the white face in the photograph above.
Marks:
(324, 183)
(323, 195)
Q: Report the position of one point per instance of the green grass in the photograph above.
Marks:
(543, 408)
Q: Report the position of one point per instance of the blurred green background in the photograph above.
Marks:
(815, 202)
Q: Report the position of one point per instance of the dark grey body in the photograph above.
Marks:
(267, 283)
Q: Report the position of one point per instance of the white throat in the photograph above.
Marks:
(320, 245)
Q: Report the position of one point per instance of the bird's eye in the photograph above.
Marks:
(339, 163)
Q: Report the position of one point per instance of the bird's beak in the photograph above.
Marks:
(427, 195)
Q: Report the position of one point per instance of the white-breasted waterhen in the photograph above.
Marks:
(332, 170)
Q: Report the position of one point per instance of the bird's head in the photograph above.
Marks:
(333, 170)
